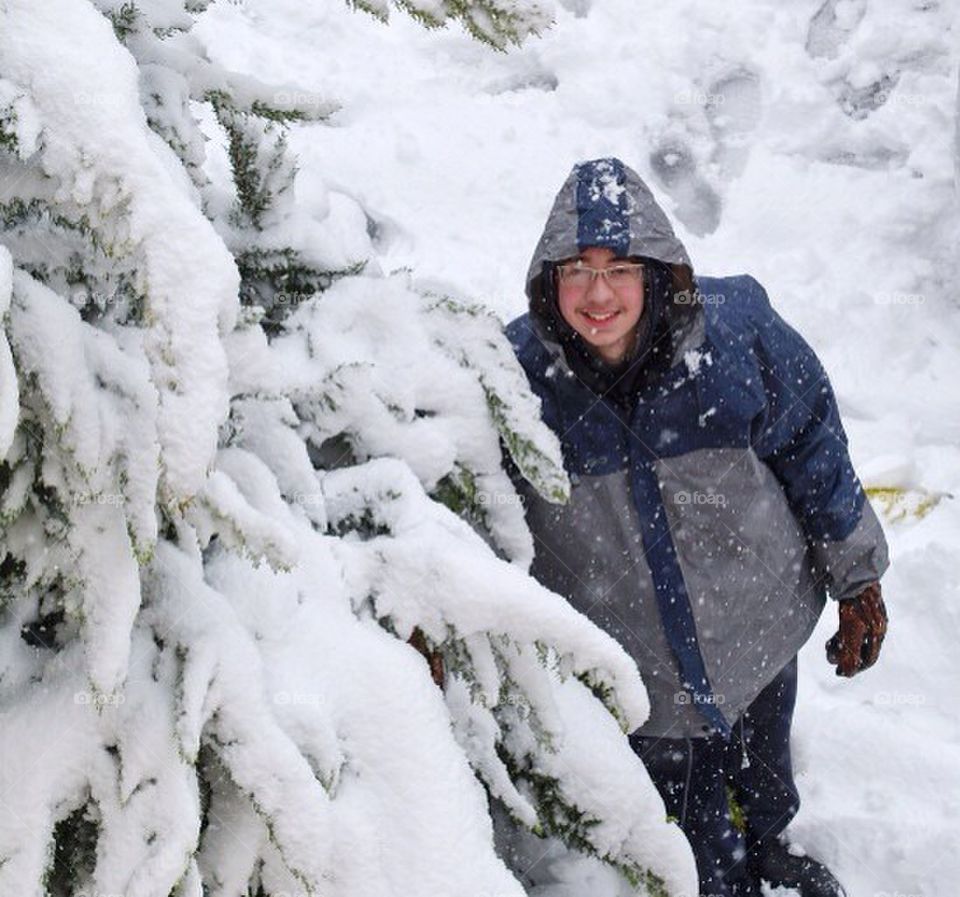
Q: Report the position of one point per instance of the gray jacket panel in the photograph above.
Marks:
(589, 551)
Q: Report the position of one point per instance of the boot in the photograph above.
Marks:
(771, 860)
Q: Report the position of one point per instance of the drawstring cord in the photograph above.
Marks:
(686, 784)
(745, 760)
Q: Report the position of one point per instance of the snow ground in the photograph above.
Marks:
(455, 153)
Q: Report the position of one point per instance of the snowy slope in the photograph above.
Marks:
(813, 147)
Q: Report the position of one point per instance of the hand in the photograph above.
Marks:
(434, 658)
(863, 625)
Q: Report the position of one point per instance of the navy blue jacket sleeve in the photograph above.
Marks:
(801, 438)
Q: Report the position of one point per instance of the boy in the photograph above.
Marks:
(713, 508)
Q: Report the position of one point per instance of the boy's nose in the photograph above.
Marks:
(599, 289)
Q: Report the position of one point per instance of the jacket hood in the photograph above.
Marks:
(605, 203)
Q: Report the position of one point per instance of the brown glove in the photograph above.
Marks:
(434, 658)
(863, 625)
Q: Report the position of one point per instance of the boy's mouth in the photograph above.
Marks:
(600, 317)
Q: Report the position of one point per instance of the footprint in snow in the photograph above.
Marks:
(830, 28)
(733, 107)
(698, 206)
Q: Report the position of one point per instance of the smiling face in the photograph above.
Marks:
(606, 317)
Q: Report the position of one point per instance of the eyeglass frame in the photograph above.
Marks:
(629, 263)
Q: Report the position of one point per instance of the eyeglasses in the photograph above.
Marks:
(578, 276)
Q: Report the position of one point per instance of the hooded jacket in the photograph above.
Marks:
(713, 506)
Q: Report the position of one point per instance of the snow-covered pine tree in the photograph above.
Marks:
(495, 22)
(237, 465)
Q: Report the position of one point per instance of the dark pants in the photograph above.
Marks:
(692, 776)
